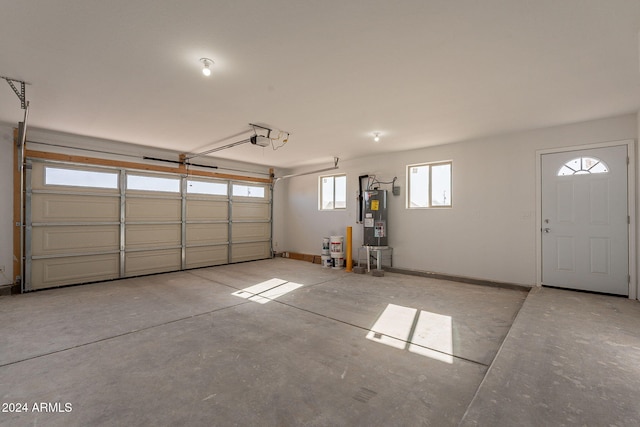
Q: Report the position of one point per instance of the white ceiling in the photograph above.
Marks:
(331, 72)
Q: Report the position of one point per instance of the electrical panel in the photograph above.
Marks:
(375, 217)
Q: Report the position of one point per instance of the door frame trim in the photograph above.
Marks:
(631, 205)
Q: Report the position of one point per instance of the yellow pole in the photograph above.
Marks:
(349, 253)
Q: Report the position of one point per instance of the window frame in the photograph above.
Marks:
(430, 166)
(321, 188)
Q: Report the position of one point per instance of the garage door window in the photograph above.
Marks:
(206, 187)
(80, 178)
(153, 183)
(248, 191)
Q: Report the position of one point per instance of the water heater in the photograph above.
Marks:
(375, 217)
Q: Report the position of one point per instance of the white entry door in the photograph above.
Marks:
(585, 220)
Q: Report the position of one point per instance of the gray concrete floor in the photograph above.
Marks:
(570, 358)
(180, 349)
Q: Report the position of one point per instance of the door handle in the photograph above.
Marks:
(546, 230)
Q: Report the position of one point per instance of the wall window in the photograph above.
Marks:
(80, 178)
(429, 185)
(333, 192)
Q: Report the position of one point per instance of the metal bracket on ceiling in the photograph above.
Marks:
(20, 93)
(261, 127)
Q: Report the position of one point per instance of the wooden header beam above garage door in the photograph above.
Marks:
(141, 166)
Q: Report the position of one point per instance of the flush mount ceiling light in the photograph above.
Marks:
(206, 63)
(376, 136)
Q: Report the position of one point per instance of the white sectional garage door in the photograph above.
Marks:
(87, 224)
(250, 222)
(73, 231)
(152, 224)
(207, 223)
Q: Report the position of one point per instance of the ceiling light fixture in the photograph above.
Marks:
(376, 136)
(206, 62)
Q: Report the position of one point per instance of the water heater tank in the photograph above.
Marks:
(375, 217)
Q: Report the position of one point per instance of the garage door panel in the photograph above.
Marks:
(250, 251)
(206, 210)
(139, 236)
(77, 239)
(51, 208)
(251, 231)
(250, 211)
(46, 273)
(206, 256)
(148, 262)
(148, 209)
(199, 234)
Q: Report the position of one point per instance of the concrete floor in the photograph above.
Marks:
(180, 349)
(571, 358)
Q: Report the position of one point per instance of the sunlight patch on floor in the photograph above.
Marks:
(424, 333)
(267, 291)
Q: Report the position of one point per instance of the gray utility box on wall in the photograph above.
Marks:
(375, 217)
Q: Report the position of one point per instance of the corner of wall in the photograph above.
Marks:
(6, 209)
(637, 197)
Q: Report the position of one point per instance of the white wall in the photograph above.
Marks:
(637, 203)
(6, 207)
(280, 194)
(488, 234)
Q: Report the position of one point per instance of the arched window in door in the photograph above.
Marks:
(582, 166)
